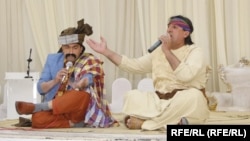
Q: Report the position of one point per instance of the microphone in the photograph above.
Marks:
(154, 46)
(68, 65)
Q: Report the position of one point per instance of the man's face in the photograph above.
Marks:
(177, 34)
(72, 51)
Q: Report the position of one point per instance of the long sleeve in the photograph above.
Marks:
(137, 65)
(53, 64)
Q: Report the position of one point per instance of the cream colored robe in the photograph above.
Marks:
(189, 75)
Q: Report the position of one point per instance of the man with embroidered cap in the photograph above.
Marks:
(72, 84)
(179, 74)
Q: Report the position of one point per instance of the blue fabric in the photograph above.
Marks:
(90, 78)
(54, 63)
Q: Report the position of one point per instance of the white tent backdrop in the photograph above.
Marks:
(221, 28)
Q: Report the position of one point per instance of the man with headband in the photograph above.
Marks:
(179, 76)
(72, 83)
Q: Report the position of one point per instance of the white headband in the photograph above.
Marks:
(68, 39)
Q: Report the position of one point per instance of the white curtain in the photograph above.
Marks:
(221, 28)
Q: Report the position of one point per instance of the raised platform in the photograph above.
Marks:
(121, 133)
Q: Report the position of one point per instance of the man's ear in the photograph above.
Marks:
(186, 34)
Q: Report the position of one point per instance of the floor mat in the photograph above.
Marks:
(12, 133)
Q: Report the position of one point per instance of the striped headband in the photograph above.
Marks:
(180, 22)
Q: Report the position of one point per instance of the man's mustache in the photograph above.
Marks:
(73, 55)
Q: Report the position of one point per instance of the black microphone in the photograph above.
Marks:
(68, 65)
(29, 60)
(154, 46)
